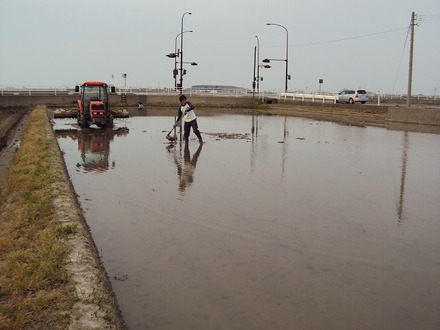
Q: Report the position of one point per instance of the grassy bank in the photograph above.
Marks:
(34, 286)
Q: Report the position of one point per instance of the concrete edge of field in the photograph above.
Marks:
(97, 307)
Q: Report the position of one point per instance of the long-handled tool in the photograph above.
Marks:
(173, 138)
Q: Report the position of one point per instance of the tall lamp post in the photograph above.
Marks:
(287, 54)
(124, 75)
(181, 51)
(258, 65)
(176, 55)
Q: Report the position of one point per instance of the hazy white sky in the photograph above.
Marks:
(348, 44)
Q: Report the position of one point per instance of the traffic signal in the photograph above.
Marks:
(175, 73)
(184, 72)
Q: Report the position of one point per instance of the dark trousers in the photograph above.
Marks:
(187, 127)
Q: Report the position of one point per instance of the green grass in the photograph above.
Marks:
(34, 286)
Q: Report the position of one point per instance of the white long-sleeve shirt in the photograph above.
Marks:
(190, 115)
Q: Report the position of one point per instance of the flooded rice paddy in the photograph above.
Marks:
(272, 223)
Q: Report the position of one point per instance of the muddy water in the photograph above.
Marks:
(272, 223)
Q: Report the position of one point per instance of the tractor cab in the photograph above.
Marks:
(94, 105)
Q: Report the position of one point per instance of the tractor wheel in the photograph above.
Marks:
(82, 122)
(110, 122)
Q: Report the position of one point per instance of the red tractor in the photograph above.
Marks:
(94, 105)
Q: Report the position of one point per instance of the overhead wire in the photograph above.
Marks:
(342, 39)
(349, 38)
(401, 58)
(429, 17)
(435, 17)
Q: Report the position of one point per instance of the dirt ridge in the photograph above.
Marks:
(96, 307)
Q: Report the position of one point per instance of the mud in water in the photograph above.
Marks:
(272, 223)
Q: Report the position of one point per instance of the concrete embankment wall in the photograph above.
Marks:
(429, 115)
(58, 100)
(131, 99)
(200, 99)
(414, 115)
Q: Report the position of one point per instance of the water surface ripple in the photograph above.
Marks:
(272, 223)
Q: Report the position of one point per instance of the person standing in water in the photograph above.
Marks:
(186, 112)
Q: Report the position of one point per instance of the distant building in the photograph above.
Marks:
(217, 89)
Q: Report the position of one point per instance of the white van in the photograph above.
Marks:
(352, 96)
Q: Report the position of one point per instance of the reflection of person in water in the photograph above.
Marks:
(187, 167)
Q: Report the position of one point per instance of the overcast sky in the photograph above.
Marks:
(348, 44)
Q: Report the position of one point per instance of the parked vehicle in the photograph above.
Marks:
(352, 96)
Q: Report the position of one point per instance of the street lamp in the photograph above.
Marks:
(287, 54)
(254, 78)
(175, 55)
(181, 51)
(192, 63)
(124, 75)
(258, 66)
(181, 58)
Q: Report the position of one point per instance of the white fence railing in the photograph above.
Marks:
(9, 90)
(309, 97)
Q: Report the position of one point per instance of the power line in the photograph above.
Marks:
(349, 38)
(342, 39)
(435, 17)
(401, 58)
(429, 17)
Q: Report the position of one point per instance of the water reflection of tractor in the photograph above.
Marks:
(94, 105)
(94, 146)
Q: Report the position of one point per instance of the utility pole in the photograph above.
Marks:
(411, 51)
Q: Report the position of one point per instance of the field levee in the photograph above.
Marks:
(415, 115)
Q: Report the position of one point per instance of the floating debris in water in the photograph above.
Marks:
(120, 277)
(224, 136)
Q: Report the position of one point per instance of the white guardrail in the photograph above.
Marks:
(12, 90)
(309, 97)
